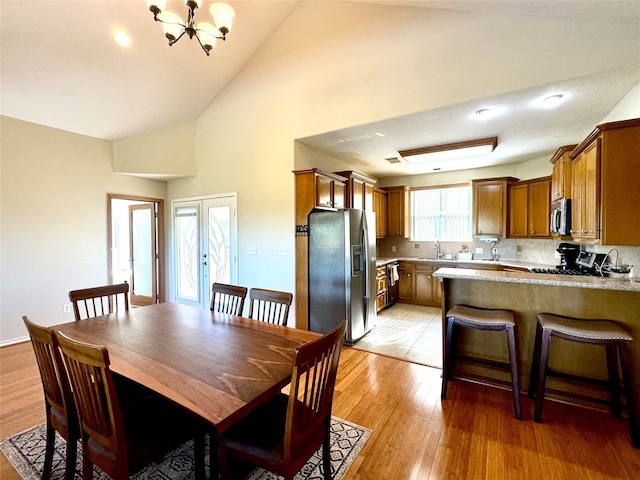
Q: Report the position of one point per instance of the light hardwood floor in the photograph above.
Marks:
(471, 435)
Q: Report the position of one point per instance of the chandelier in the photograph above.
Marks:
(174, 27)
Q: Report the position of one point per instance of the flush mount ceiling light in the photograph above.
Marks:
(469, 148)
(174, 27)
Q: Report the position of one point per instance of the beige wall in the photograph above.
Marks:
(167, 153)
(53, 217)
(351, 69)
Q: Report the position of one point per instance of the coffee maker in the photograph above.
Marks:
(569, 253)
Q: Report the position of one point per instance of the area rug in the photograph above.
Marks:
(25, 451)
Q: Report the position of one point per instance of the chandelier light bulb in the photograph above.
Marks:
(223, 16)
(172, 25)
(207, 35)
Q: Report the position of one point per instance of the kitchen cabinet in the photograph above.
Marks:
(397, 211)
(359, 190)
(606, 185)
(586, 189)
(315, 188)
(380, 209)
(381, 287)
(418, 285)
(561, 176)
(529, 208)
(489, 215)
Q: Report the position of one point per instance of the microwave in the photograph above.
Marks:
(561, 217)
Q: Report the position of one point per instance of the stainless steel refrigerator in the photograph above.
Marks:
(342, 271)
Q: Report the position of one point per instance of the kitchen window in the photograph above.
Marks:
(441, 213)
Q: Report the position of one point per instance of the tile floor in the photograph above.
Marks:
(407, 332)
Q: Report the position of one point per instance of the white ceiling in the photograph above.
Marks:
(60, 68)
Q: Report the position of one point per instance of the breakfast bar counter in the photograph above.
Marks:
(527, 294)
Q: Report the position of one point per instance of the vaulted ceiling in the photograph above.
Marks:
(60, 68)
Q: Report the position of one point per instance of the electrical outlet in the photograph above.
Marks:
(250, 250)
(479, 251)
(66, 308)
(519, 248)
(393, 248)
(281, 251)
(417, 245)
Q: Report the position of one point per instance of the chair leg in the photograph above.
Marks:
(198, 454)
(214, 460)
(634, 426)
(225, 468)
(513, 361)
(87, 466)
(326, 452)
(70, 460)
(448, 355)
(614, 382)
(535, 364)
(48, 453)
(542, 374)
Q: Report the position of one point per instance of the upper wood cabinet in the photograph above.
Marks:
(315, 188)
(529, 208)
(561, 176)
(606, 185)
(380, 208)
(489, 217)
(359, 190)
(397, 211)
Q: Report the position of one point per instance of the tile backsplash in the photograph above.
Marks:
(522, 250)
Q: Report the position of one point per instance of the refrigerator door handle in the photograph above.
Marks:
(365, 244)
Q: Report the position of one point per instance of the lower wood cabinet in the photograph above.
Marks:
(418, 285)
(381, 287)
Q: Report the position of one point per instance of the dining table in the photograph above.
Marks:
(216, 365)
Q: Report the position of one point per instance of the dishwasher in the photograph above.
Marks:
(393, 279)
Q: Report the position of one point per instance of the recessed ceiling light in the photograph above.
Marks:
(553, 100)
(122, 38)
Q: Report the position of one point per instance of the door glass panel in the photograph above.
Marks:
(205, 247)
(142, 252)
(187, 254)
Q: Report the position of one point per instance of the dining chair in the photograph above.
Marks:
(58, 400)
(285, 431)
(269, 306)
(97, 301)
(122, 441)
(228, 298)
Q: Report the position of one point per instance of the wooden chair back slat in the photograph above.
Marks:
(95, 394)
(228, 298)
(59, 403)
(269, 306)
(97, 301)
(311, 392)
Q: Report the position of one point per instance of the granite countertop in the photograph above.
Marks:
(622, 284)
(445, 262)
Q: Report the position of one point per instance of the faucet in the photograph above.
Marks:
(436, 245)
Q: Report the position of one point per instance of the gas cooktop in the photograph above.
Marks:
(562, 271)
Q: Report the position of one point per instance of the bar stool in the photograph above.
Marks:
(481, 319)
(595, 332)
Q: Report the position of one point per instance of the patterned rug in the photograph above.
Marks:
(25, 451)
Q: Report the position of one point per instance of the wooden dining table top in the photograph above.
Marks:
(219, 366)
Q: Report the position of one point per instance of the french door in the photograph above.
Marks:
(205, 247)
(143, 254)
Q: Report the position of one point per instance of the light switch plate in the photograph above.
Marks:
(281, 251)
(250, 250)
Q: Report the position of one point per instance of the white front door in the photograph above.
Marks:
(205, 246)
